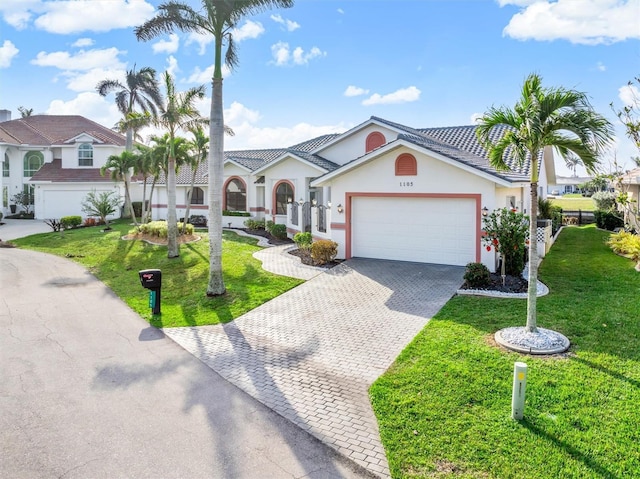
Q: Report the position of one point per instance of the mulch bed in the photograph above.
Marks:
(265, 234)
(305, 258)
(512, 284)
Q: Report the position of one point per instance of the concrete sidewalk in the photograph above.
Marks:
(12, 229)
(89, 389)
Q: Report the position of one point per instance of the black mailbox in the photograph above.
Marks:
(151, 278)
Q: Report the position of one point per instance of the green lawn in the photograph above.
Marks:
(116, 262)
(574, 203)
(444, 406)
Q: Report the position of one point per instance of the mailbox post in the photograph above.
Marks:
(151, 279)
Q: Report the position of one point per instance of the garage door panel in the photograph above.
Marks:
(428, 230)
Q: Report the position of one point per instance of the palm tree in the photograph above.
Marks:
(218, 19)
(25, 112)
(120, 170)
(141, 89)
(178, 113)
(573, 161)
(543, 117)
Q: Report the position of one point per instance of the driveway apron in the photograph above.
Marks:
(312, 353)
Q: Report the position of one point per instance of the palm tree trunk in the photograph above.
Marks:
(532, 289)
(172, 220)
(153, 187)
(143, 217)
(189, 194)
(216, 170)
(127, 197)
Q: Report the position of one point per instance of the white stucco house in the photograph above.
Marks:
(380, 190)
(56, 158)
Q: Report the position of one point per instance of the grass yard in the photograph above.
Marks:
(116, 262)
(574, 203)
(444, 406)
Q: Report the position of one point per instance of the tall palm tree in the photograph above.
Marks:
(543, 117)
(219, 18)
(176, 114)
(120, 170)
(141, 89)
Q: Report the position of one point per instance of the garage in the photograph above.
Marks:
(439, 230)
(52, 203)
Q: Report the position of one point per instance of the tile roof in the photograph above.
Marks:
(48, 130)
(54, 173)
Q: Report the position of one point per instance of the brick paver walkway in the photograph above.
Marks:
(312, 353)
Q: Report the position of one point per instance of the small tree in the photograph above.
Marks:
(101, 205)
(23, 199)
(507, 232)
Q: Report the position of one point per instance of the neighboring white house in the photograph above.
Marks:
(567, 184)
(56, 158)
(380, 190)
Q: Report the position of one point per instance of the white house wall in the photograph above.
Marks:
(58, 200)
(354, 145)
(69, 155)
(434, 179)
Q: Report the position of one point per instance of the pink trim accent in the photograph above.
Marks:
(338, 226)
(224, 190)
(374, 140)
(406, 165)
(257, 209)
(273, 195)
(476, 197)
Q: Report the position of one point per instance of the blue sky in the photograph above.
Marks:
(325, 66)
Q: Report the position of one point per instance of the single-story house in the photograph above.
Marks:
(379, 190)
(630, 183)
(567, 184)
(57, 160)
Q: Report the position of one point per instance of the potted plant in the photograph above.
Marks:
(13, 209)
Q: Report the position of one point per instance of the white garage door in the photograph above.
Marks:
(424, 230)
(59, 203)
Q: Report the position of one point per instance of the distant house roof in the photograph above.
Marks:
(572, 180)
(49, 130)
(54, 173)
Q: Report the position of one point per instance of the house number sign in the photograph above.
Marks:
(406, 184)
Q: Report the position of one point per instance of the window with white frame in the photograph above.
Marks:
(5, 166)
(33, 161)
(85, 154)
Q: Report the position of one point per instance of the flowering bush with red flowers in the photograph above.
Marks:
(507, 232)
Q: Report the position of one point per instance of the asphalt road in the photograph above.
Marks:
(89, 390)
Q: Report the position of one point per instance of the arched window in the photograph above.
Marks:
(284, 193)
(33, 160)
(374, 140)
(235, 195)
(5, 166)
(85, 154)
(406, 165)
(197, 196)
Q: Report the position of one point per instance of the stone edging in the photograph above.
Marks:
(542, 290)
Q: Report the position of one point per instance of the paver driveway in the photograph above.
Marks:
(312, 353)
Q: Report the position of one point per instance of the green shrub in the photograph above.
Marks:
(323, 251)
(255, 224)
(303, 240)
(159, 229)
(278, 231)
(269, 225)
(556, 218)
(604, 200)
(626, 244)
(235, 213)
(477, 275)
(608, 220)
(68, 222)
(507, 232)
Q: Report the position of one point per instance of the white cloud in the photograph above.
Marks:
(167, 46)
(76, 16)
(83, 60)
(403, 95)
(601, 67)
(340, 11)
(172, 65)
(90, 105)
(355, 91)
(290, 25)
(630, 95)
(8, 52)
(282, 54)
(588, 22)
(475, 118)
(87, 81)
(205, 76)
(249, 30)
(83, 42)
(18, 13)
(203, 40)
